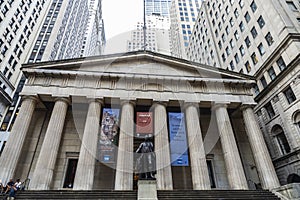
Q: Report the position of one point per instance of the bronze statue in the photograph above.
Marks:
(146, 162)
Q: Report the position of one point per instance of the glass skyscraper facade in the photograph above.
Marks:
(160, 7)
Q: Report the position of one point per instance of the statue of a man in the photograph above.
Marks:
(146, 163)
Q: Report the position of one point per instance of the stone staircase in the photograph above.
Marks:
(132, 195)
(79, 195)
(216, 194)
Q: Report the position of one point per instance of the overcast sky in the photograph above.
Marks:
(121, 16)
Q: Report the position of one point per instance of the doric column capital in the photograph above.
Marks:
(217, 105)
(163, 103)
(35, 98)
(246, 106)
(64, 99)
(97, 100)
(188, 104)
(124, 101)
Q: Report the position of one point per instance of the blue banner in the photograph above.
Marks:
(109, 132)
(178, 140)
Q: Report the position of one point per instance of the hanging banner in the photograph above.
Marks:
(178, 140)
(144, 123)
(109, 134)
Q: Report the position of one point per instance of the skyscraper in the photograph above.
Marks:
(259, 38)
(160, 7)
(183, 14)
(63, 29)
(157, 35)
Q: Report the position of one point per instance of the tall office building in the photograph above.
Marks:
(160, 7)
(259, 38)
(19, 21)
(62, 30)
(183, 14)
(157, 35)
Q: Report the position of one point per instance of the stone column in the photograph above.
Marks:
(43, 173)
(162, 148)
(199, 168)
(84, 178)
(124, 170)
(12, 151)
(234, 167)
(265, 168)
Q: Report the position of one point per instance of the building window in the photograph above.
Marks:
(241, 3)
(228, 52)
(236, 13)
(248, 42)
(247, 17)
(254, 32)
(297, 120)
(261, 22)
(231, 22)
(236, 35)
(253, 6)
(256, 89)
(263, 82)
(291, 5)
(223, 38)
(283, 144)
(227, 30)
(269, 39)
(272, 73)
(237, 59)
(281, 64)
(231, 65)
(248, 67)
(289, 95)
(270, 110)
(242, 27)
(232, 44)
(220, 44)
(261, 49)
(242, 50)
(223, 57)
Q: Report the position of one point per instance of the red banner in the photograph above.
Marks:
(144, 123)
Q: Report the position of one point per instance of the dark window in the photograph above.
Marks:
(254, 58)
(256, 89)
(231, 65)
(237, 59)
(242, 50)
(253, 6)
(281, 64)
(261, 22)
(263, 82)
(270, 110)
(289, 94)
(247, 17)
(248, 42)
(291, 5)
(272, 73)
(70, 174)
(211, 174)
(261, 49)
(281, 139)
(254, 32)
(269, 39)
(242, 27)
(248, 67)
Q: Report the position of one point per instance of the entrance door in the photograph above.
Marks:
(70, 175)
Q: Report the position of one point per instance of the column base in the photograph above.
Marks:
(147, 190)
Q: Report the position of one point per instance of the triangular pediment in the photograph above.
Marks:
(140, 63)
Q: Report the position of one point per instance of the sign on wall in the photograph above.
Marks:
(178, 140)
(144, 123)
(109, 132)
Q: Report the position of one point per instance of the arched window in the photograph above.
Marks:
(296, 119)
(284, 146)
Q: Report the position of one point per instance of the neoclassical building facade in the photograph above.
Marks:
(81, 121)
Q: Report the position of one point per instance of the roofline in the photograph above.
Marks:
(135, 54)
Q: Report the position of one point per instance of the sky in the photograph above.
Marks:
(121, 16)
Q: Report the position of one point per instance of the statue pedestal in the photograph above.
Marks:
(147, 190)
